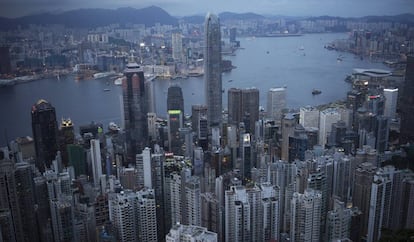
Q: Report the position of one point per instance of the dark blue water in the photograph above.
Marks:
(263, 63)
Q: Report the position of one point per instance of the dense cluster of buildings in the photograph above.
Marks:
(319, 174)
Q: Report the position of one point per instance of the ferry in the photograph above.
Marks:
(316, 92)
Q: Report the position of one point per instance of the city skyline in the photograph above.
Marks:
(340, 8)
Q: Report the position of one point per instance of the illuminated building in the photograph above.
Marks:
(44, 127)
(175, 122)
(212, 70)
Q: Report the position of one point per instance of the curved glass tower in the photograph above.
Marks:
(212, 70)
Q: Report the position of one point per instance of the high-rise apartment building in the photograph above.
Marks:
(44, 127)
(181, 232)
(305, 217)
(177, 46)
(338, 222)
(135, 110)
(212, 70)
(276, 103)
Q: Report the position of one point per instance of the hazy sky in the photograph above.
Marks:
(351, 8)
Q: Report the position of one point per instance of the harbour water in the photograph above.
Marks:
(299, 63)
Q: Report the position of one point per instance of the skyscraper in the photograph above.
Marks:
(175, 100)
(305, 218)
(44, 127)
(243, 106)
(135, 110)
(177, 46)
(327, 118)
(276, 102)
(212, 69)
(407, 103)
(391, 97)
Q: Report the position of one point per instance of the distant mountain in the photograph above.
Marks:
(239, 16)
(194, 19)
(402, 18)
(92, 18)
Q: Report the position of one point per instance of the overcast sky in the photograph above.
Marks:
(345, 8)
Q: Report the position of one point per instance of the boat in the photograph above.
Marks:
(302, 48)
(316, 92)
(107, 90)
(118, 81)
(230, 80)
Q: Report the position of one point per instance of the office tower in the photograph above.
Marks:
(175, 122)
(361, 195)
(96, 161)
(212, 70)
(338, 222)
(177, 46)
(175, 100)
(9, 199)
(327, 118)
(376, 104)
(391, 98)
(181, 232)
(202, 132)
(26, 195)
(337, 135)
(246, 157)
(407, 103)
(198, 161)
(44, 127)
(212, 214)
(77, 159)
(237, 215)
(288, 128)
(197, 111)
(309, 117)
(62, 220)
(342, 178)
(5, 64)
(243, 106)
(276, 103)
(382, 133)
(152, 127)
(298, 144)
(135, 110)
(66, 137)
(43, 209)
(305, 218)
(355, 100)
(128, 177)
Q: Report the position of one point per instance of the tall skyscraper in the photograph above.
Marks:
(135, 110)
(309, 117)
(175, 100)
(44, 127)
(391, 98)
(212, 69)
(407, 103)
(96, 161)
(288, 129)
(276, 102)
(243, 106)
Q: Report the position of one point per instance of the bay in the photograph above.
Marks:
(299, 63)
